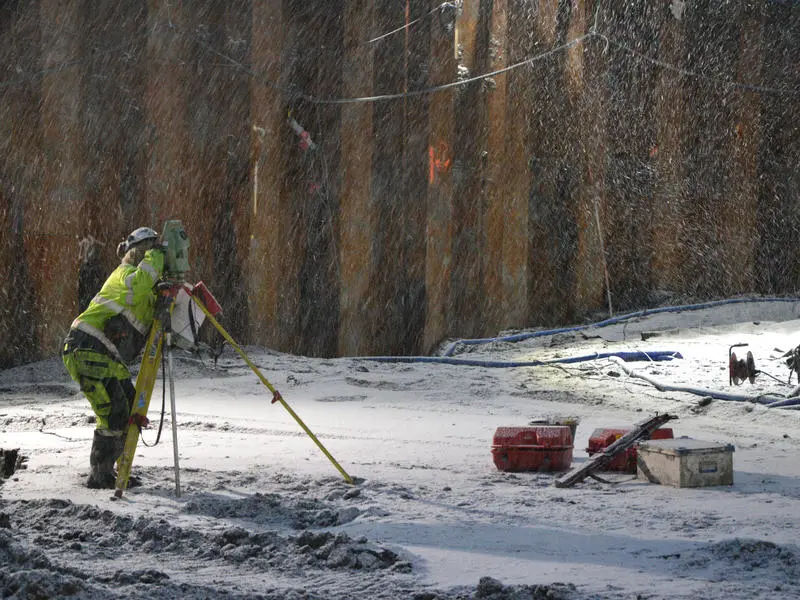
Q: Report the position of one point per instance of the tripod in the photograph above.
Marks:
(161, 335)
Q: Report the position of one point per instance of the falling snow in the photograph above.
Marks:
(262, 513)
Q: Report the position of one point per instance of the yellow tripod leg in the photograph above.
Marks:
(276, 395)
(145, 380)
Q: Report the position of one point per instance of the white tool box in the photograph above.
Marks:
(685, 462)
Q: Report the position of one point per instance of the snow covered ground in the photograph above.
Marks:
(264, 514)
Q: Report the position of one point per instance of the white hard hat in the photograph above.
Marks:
(140, 235)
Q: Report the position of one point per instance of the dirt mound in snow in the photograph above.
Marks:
(127, 557)
(264, 509)
(741, 560)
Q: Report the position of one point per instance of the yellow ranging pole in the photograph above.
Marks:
(276, 395)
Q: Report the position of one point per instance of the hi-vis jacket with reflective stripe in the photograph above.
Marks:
(121, 313)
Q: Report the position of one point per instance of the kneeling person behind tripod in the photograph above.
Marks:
(108, 334)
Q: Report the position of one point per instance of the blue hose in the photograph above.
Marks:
(787, 403)
(612, 321)
(655, 355)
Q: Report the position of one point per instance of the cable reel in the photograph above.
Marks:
(793, 362)
(740, 369)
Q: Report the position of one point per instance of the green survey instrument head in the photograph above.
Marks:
(176, 250)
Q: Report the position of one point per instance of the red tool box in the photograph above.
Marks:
(540, 448)
(625, 461)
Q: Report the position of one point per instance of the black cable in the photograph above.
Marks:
(67, 64)
(609, 481)
(772, 376)
(163, 407)
(695, 75)
(292, 94)
(58, 435)
(409, 25)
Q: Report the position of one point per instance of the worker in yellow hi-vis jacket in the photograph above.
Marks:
(108, 334)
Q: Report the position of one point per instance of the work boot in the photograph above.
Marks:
(101, 460)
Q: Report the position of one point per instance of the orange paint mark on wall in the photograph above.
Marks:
(438, 161)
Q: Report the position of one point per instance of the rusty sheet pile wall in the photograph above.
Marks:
(372, 176)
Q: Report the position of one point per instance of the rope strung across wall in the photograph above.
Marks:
(593, 34)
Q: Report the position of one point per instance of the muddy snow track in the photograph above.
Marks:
(219, 545)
